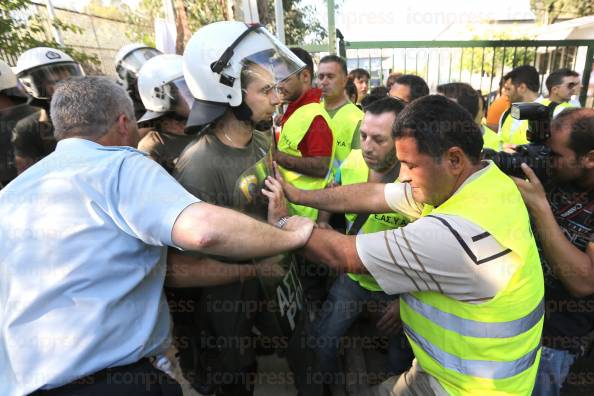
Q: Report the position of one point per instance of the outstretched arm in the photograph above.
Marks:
(219, 231)
(336, 250)
(354, 198)
(190, 271)
(309, 166)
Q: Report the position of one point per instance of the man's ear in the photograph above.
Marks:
(123, 125)
(306, 76)
(588, 160)
(456, 159)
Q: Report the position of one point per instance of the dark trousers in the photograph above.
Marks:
(139, 378)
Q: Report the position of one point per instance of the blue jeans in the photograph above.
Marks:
(340, 310)
(552, 371)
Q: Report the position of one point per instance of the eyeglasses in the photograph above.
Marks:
(267, 89)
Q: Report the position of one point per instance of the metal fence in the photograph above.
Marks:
(482, 64)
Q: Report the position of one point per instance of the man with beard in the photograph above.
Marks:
(562, 216)
(375, 162)
(232, 71)
(522, 84)
(306, 143)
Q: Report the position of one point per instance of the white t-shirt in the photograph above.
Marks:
(444, 253)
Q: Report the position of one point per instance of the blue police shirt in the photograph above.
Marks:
(82, 264)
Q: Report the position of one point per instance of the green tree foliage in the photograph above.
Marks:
(21, 30)
(301, 24)
(490, 61)
(300, 20)
(549, 11)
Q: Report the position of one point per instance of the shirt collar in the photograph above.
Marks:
(76, 143)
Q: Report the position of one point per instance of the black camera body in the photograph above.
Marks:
(536, 154)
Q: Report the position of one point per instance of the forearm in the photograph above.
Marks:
(323, 217)
(335, 250)
(219, 231)
(309, 166)
(354, 198)
(572, 266)
(190, 271)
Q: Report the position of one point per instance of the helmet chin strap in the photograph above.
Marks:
(243, 112)
(43, 103)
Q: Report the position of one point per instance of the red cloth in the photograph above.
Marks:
(317, 141)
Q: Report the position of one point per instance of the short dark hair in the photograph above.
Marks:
(392, 79)
(351, 89)
(524, 74)
(385, 105)
(465, 96)
(556, 77)
(381, 90)
(305, 58)
(418, 86)
(358, 73)
(437, 124)
(335, 59)
(369, 99)
(581, 125)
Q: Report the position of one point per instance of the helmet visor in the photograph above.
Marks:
(181, 97)
(134, 61)
(41, 81)
(271, 55)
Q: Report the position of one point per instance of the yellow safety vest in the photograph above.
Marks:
(491, 348)
(490, 139)
(291, 135)
(345, 123)
(560, 107)
(512, 131)
(354, 170)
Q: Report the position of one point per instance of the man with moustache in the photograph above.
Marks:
(375, 162)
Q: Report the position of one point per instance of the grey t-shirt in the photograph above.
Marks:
(210, 170)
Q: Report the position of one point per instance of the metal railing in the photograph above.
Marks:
(482, 64)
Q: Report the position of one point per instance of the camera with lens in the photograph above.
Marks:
(536, 154)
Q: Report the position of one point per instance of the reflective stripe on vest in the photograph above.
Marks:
(493, 347)
(291, 135)
(354, 170)
(345, 123)
(473, 328)
(477, 368)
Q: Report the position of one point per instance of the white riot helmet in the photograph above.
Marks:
(8, 79)
(215, 57)
(39, 69)
(163, 89)
(130, 59)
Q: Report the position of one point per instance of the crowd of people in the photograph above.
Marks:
(240, 200)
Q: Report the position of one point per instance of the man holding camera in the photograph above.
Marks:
(562, 215)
